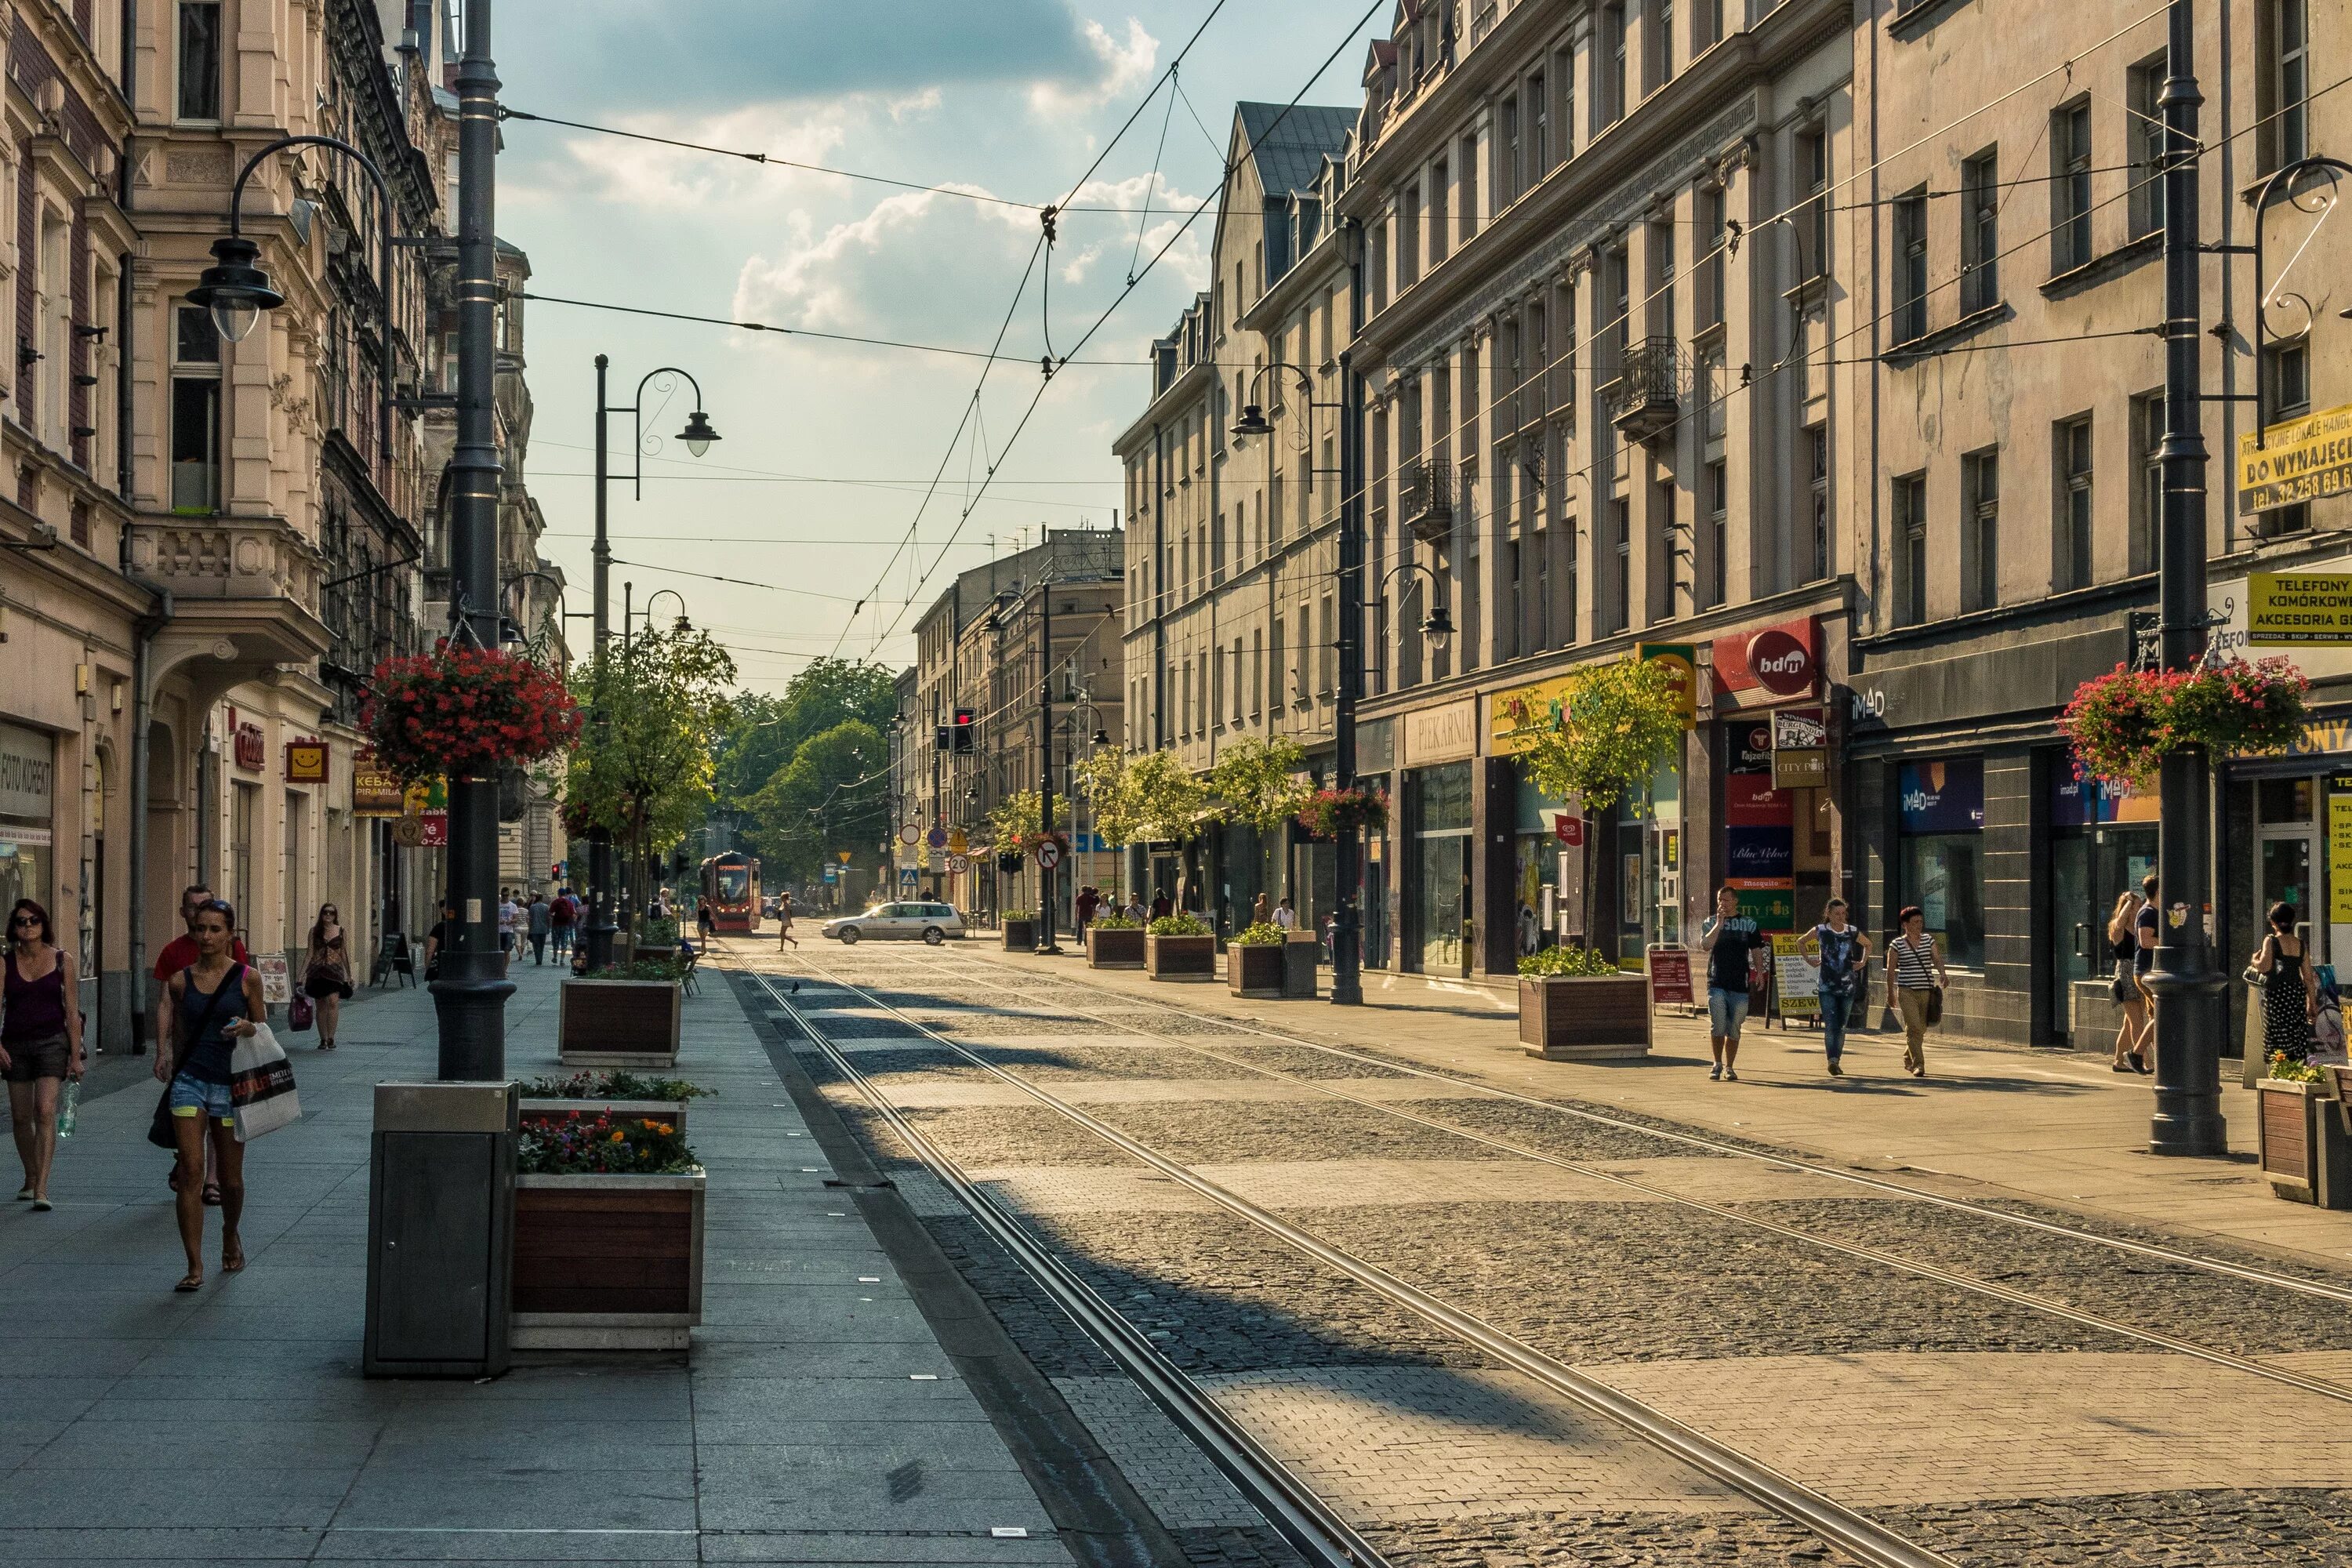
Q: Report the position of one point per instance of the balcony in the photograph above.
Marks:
(1645, 400)
(253, 581)
(1425, 499)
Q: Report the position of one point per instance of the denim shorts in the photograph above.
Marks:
(195, 1097)
(1726, 1011)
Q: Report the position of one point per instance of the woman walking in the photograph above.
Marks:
(1915, 974)
(40, 1042)
(2290, 989)
(210, 1004)
(785, 922)
(327, 976)
(1841, 953)
(2122, 947)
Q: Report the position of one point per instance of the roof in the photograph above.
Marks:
(1291, 158)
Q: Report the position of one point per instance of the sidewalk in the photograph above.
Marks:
(820, 1420)
(1996, 1122)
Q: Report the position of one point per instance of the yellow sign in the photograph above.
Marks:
(2301, 459)
(1681, 662)
(424, 797)
(1798, 983)
(2339, 851)
(1516, 718)
(374, 793)
(956, 843)
(2299, 609)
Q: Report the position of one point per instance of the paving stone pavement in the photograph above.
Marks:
(233, 1426)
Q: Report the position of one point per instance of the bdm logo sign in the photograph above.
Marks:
(1783, 659)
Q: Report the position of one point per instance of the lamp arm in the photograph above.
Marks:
(637, 419)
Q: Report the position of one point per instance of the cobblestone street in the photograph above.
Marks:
(1990, 1392)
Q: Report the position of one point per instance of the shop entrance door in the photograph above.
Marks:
(2286, 857)
(2080, 932)
(1441, 862)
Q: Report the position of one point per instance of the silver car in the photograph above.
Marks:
(934, 923)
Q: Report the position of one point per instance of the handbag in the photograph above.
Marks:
(1935, 1005)
(298, 1013)
(158, 1126)
(261, 1085)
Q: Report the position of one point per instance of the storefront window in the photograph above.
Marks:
(27, 799)
(1441, 851)
(1940, 865)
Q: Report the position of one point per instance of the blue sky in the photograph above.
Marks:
(1011, 98)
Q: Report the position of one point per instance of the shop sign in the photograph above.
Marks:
(1681, 662)
(1516, 719)
(306, 761)
(2228, 605)
(1945, 797)
(1443, 734)
(276, 978)
(1751, 801)
(2339, 862)
(2298, 609)
(2088, 802)
(1796, 985)
(1751, 746)
(1770, 902)
(1569, 828)
(1760, 854)
(27, 773)
(1801, 748)
(374, 793)
(2299, 460)
(1670, 975)
(428, 805)
(1782, 660)
(251, 748)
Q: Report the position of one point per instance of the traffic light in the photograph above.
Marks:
(964, 731)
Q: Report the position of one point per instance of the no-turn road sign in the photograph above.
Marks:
(1049, 854)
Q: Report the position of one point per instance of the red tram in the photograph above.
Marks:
(730, 892)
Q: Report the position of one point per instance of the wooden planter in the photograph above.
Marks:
(1121, 947)
(610, 1263)
(1020, 936)
(617, 1023)
(541, 1111)
(1179, 957)
(1251, 971)
(2304, 1142)
(1581, 1018)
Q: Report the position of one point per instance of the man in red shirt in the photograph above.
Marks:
(179, 954)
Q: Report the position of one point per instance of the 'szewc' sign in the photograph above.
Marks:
(2301, 459)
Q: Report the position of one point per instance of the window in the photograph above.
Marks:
(1439, 233)
(1610, 61)
(1814, 223)
(1617, 278)
(1621, 564)
(2071, 442)
(196, 412)
(1327, 650)
(1660, 314)
(1706, 25)
(1718, 535)
(2287, 45)
(1981, 529)
(2070, 186)
(1506, 153)
(1817, 467)
(1980, 233)
(2148, 481)
(2286, 394)
(1911, 549)
(200, 60)
(2144, 135)
(1659, 67)
(1666, 548)
(1408, 237)
(1467, 161)
(1939, 863)
(1539, 130)
(1568, 590)
(53, 313)
(1710, 247)
(1540, 620)
(1911, 266)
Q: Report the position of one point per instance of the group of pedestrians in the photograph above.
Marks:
(1839, 951)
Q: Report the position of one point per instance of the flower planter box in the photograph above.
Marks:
(1020, 936)
(1581, 1018)
(2303, 1141)
(610, 1263)
(1254, 971)
(546, 1111)
(617, 1023)
(1179, 957)
(1121, 947)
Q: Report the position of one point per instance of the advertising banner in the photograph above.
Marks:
(1796, 985)
(2299, 460)
(374, 793)
(2298, 609)
(1942, 797)
(1670, 975)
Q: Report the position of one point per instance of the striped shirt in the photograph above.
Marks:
(1915, 968)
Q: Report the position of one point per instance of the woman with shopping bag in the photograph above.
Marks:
(212, 1004)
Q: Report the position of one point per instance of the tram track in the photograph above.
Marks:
(1262, 1478)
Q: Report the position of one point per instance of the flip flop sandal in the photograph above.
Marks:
(233, 1263)
(189, 1284)
(212, 1195)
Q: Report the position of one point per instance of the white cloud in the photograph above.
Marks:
(1120, 70)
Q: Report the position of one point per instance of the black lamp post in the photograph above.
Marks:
(696, 437)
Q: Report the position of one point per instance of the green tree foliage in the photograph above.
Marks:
(642, 769)
(769, 729)
(1014, 825)
(835, 794)
(1257, 781)
(1165, 799)
(1103, 780)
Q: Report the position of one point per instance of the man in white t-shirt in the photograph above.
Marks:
(510, 919)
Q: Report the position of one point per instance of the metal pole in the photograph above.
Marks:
(1046, 875)
(470, 995)
(600, 839)
(2188, 1119)
(1346, 920)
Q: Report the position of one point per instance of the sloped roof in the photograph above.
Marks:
(1291, 157)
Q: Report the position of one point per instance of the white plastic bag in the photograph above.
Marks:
(261, 1085)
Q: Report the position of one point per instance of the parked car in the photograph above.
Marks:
(933, 923)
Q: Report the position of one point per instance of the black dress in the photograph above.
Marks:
(2285, 1027)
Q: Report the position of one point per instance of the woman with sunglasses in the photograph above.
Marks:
(210, 1004)
(40, 1042)
(327, 977)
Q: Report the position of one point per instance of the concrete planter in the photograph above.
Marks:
(1580, 1018)
(617, 1023)
(1300, 955)
(610, 1263)
(1179, 957)
(1020, 936)
(1121, 947)
(2305, 1149)
(540, 1113)
(1254, 971)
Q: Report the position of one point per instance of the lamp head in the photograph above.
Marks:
(1101, 737)
(1251, 423)
(1438, 627)
(697, 433)
(235, 288)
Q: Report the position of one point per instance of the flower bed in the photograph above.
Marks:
(608, 1023)
(549, 1101)
(1180, 947)
(1114, 942)
(608, 1236)
(1019, 928)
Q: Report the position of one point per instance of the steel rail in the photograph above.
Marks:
(1851, 1531)
(1292, 1507)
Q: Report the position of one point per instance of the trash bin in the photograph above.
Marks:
(1300, 954)
(441, 1183)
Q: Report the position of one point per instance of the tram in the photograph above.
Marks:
(730, 892)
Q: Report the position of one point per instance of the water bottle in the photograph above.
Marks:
(66, 1107)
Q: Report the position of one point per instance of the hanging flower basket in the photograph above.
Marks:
(463, 711)
(1332, 812)
(2123, 724)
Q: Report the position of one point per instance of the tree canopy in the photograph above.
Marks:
(1258, 780)
(768, 730)
(809, 767)
(642, 768)
(1623, 720)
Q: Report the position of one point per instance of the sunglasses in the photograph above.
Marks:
(25, 920)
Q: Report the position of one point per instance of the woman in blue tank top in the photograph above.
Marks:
(214, 1002)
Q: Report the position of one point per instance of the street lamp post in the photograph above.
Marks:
(1047, 878)
(698, 436)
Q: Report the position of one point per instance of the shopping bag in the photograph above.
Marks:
(261, 1085)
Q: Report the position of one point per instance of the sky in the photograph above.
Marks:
(827, 450)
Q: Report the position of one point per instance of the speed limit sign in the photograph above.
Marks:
(1049, 854)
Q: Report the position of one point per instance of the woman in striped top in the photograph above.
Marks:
(1915, 972)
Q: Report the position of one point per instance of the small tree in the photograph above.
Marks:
(1102, 778)
(1622, 720)
(1167, 799)
(1259, 784)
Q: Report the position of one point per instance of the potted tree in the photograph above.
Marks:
(1181, 947)
(616, 1092)
(607, 1235)
(1254, 962)
(1621, 720)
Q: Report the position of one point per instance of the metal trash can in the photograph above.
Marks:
(1300, 954)
(441, 1184)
